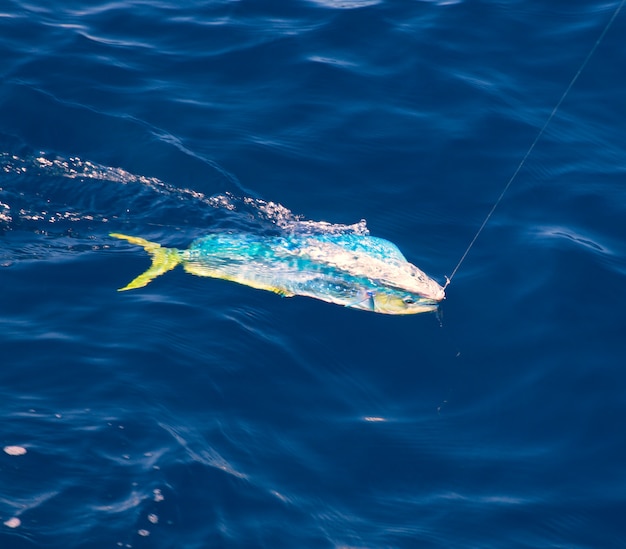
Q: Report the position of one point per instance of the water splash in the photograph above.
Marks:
(240, 212)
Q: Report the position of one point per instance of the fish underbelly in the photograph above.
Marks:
(287, 278)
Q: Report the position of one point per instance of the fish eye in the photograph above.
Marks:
(408, 300)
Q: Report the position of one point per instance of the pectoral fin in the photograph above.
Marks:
(367, 296)
(372, 302)
(163, 260)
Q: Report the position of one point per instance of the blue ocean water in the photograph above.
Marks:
(200, 413)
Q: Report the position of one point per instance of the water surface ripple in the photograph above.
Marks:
(199, 413)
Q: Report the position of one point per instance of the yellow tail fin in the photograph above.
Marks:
(163, 260)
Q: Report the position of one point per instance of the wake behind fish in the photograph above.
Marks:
(248, 240)
(48, 171)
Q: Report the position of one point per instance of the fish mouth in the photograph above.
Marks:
(436, 294)
(439, 295)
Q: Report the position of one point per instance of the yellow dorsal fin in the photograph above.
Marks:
(163, 260)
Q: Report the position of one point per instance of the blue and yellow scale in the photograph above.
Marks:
(358, 271)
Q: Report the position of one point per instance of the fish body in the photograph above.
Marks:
(362, 272)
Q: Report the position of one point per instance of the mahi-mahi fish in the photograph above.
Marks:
(358, 271)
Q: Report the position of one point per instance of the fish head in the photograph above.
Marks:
(424, 286)
(392, 301)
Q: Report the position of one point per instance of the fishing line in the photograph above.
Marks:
(541, 132)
